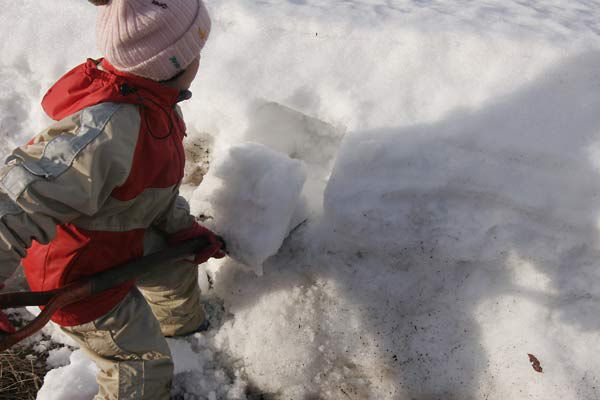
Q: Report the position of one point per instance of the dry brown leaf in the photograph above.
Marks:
(535, 363)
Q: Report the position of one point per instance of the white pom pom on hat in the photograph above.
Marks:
(155, 39)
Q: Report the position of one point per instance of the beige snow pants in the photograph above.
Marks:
(128, 345)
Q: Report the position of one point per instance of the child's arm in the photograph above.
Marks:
(179, 226)
(176, 218)
(71, 175)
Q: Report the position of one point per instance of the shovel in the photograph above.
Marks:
(54, 300)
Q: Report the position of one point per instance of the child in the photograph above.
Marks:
(100, 187)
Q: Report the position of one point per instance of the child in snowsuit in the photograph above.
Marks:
(100, 188)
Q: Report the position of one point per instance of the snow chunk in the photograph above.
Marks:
(302, 137)
(59, 357)
(76, 381)
(252, 193)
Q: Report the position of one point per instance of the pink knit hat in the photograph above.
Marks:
(155, 39)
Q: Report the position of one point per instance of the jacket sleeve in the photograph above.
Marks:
(17, 229)
(176, 218)
(69, 171)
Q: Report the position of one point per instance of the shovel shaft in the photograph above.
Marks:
(56, 299)
(74, 293)
(144, 265)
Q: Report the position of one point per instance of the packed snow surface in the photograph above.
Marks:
(452, 153)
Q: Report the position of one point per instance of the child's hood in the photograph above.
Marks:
(87, 85)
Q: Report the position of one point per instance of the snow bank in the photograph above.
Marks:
(487, 221)
(38, 47)
(252, 194)
(532, 154)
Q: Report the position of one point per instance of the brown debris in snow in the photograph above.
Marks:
(535, 363)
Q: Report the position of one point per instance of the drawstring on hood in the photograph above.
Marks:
(127, 90)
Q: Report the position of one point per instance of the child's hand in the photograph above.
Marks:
(215, 249)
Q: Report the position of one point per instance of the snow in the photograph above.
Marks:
(252, 194)
(76, 381)
(452, 160)
(59, 357)
(202, 374)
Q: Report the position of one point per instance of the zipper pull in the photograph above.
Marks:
(184, 95)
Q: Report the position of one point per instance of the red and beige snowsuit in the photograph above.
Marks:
(96, 189)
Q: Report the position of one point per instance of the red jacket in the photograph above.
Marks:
(133, 160)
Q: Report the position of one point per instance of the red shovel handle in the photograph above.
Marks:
(66, 296)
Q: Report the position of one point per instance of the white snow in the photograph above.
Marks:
(252, 194)
(197, 371)
(59, 357)
(76, 381)
(452, 153)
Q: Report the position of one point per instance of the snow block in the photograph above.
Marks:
(302, 137)
(252, 194)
